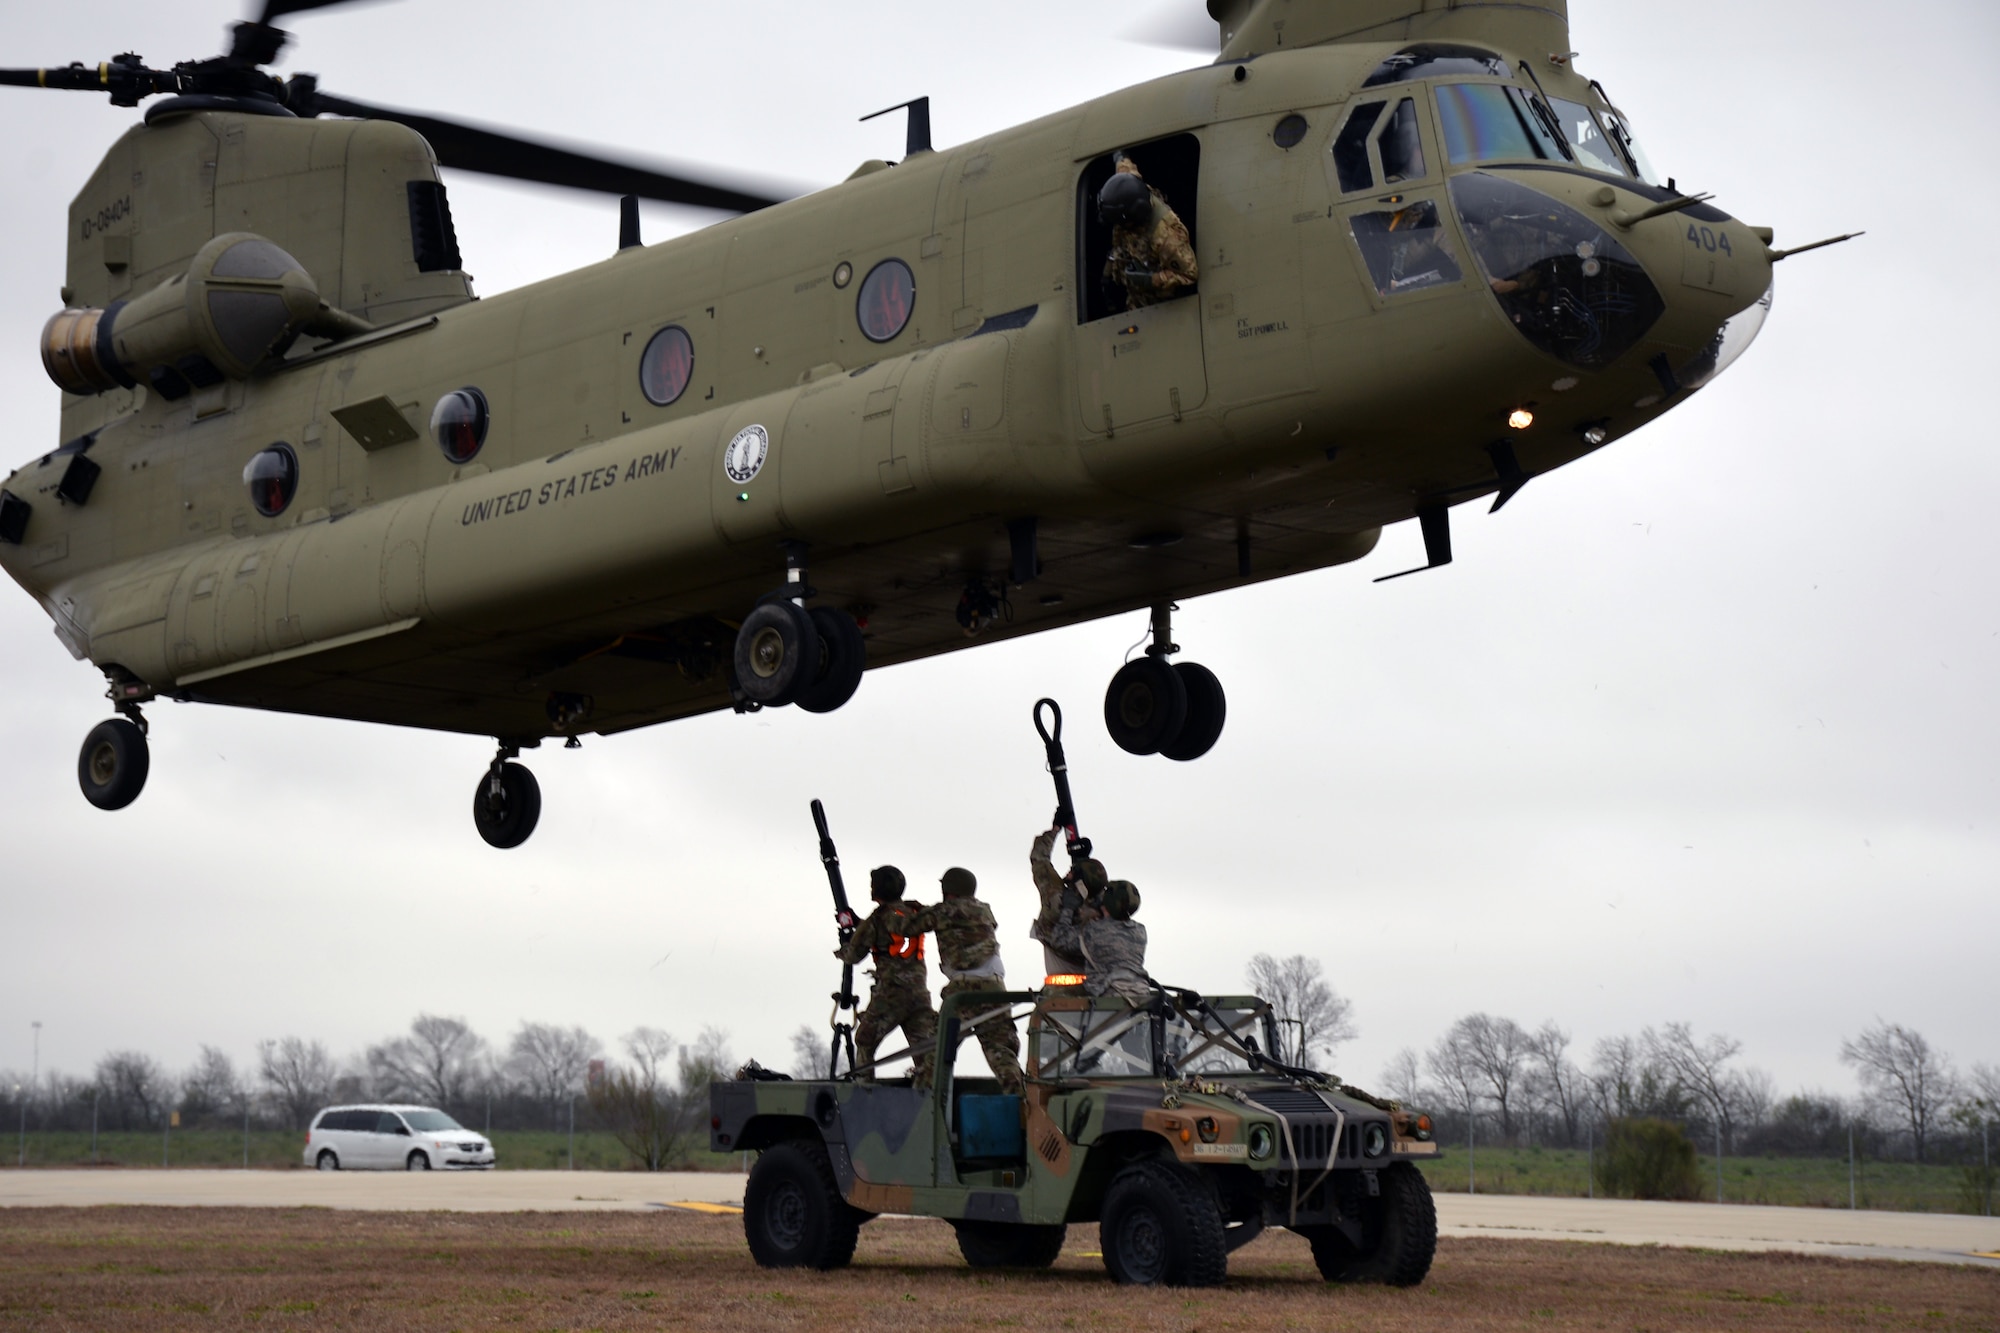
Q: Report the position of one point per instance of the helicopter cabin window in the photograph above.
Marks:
(273, 478)
(666, 366)
(1487, 122)
(458, 424)
(1136, 240)
(888, 297)
(1406, 249)
(1594, 148)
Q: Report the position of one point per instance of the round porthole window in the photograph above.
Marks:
(1289, 131)
(273, 478)
(458, 423)
(888, 296)
(666, 366)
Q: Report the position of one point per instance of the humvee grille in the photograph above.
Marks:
(1290, 1101)
(1312, 1140)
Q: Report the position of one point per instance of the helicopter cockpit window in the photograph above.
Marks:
(887, 300)
(1402, 146)
(1433, 59)
(273, 478)
(1490, 122)
(1406, 249)
(1621, 130)
(1594, 148)
(1350, 148)
(1171, 168)
(666, 366)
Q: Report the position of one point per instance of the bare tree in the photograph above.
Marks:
(1698, 1066)
(809, 1052)
(1495, 1049)
(135, 1087)
(642, 1111)
(299, 1074)
(211, 1088)
(1625, 1081)
(1403, 1078)
(704, 1062)
(550, 1060)
(437, 1063)
(1450, 1062)
(1983, 1086)
(1899, 1068)
(1556, 1082)
(1312, 1016)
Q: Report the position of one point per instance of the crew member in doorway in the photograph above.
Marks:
(901, 994)
(1061, 895)
(1113, 945)
(1151, 259)
(969, 955)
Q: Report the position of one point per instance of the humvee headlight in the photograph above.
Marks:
(1375, 1139)
(1262, 1142)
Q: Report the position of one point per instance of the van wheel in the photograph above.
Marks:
(417, 1162)
(1161, 1225)
(793, 1215)
(326, 1161)
(1009, 1244)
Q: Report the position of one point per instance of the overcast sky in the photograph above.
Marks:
(1700, 728)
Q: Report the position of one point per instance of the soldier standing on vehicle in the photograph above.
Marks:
(1061, 895)
(969, 955)
(1113, 945)
(901, 994)
(1151, 259)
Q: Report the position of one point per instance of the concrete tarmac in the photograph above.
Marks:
(1929, 1237)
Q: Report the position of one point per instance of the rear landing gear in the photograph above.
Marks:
(112, 766)
(1159, 707)
(508, 803)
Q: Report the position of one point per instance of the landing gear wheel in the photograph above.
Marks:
(777, 653)
(506, 821)
(1399, 1231)
(1161, 1225)
(1145, 706)
(1009, 1244)
(793, 1215)
(112, 766)
(842, 655)
(1207, 708)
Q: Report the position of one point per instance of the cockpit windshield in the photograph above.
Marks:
(1594, 148)
(1492, 122)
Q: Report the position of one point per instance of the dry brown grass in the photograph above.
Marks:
(170, 1268)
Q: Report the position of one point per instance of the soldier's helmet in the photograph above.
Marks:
(1121, 899)
(885, 884)
(1089, 875)
(1125, 201)
(958, 882)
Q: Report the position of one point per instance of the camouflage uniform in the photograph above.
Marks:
(901, 994)
(969, 955)
(1153, 262)
(1114, 949)
(1060, 899)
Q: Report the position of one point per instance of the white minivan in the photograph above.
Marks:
(393, 1138)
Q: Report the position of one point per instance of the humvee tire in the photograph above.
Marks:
(1009, 1244)
(793, 1215)
(1403, 1231)
(1161, 1225)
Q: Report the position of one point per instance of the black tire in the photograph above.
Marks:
(1399, 1229)
(793, 1215)
(1207, 710)
(843, 655)
(508, 822)
(327, 1160)
(1145, 705)
(111, 768)
(776, 654)
(1161, 1225)
(1009, 1244)
(417, 1161)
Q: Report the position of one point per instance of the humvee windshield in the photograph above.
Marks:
(1138, 1043)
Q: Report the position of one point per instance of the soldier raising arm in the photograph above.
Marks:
(969, 955)
(901, 994)
(1061, 895)
(1112, 943)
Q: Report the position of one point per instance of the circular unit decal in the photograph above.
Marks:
(888, 297)
(666, 366)
(744, 458)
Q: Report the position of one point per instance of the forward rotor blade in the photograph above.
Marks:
(495, 153)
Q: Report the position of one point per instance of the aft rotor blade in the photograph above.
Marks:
(279, 8)
(495, 153)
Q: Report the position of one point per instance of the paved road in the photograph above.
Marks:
(1877, 1235)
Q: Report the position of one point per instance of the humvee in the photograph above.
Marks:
(1169, 1124)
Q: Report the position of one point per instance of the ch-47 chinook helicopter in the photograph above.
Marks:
(303, 468)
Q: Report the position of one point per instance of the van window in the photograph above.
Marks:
(1171, 166)
(387, 1122)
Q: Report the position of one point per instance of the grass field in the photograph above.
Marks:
(185, 1268)
(1803, 1182)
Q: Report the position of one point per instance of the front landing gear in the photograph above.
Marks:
(112, 766)
(508, 803)
(1159, 707)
